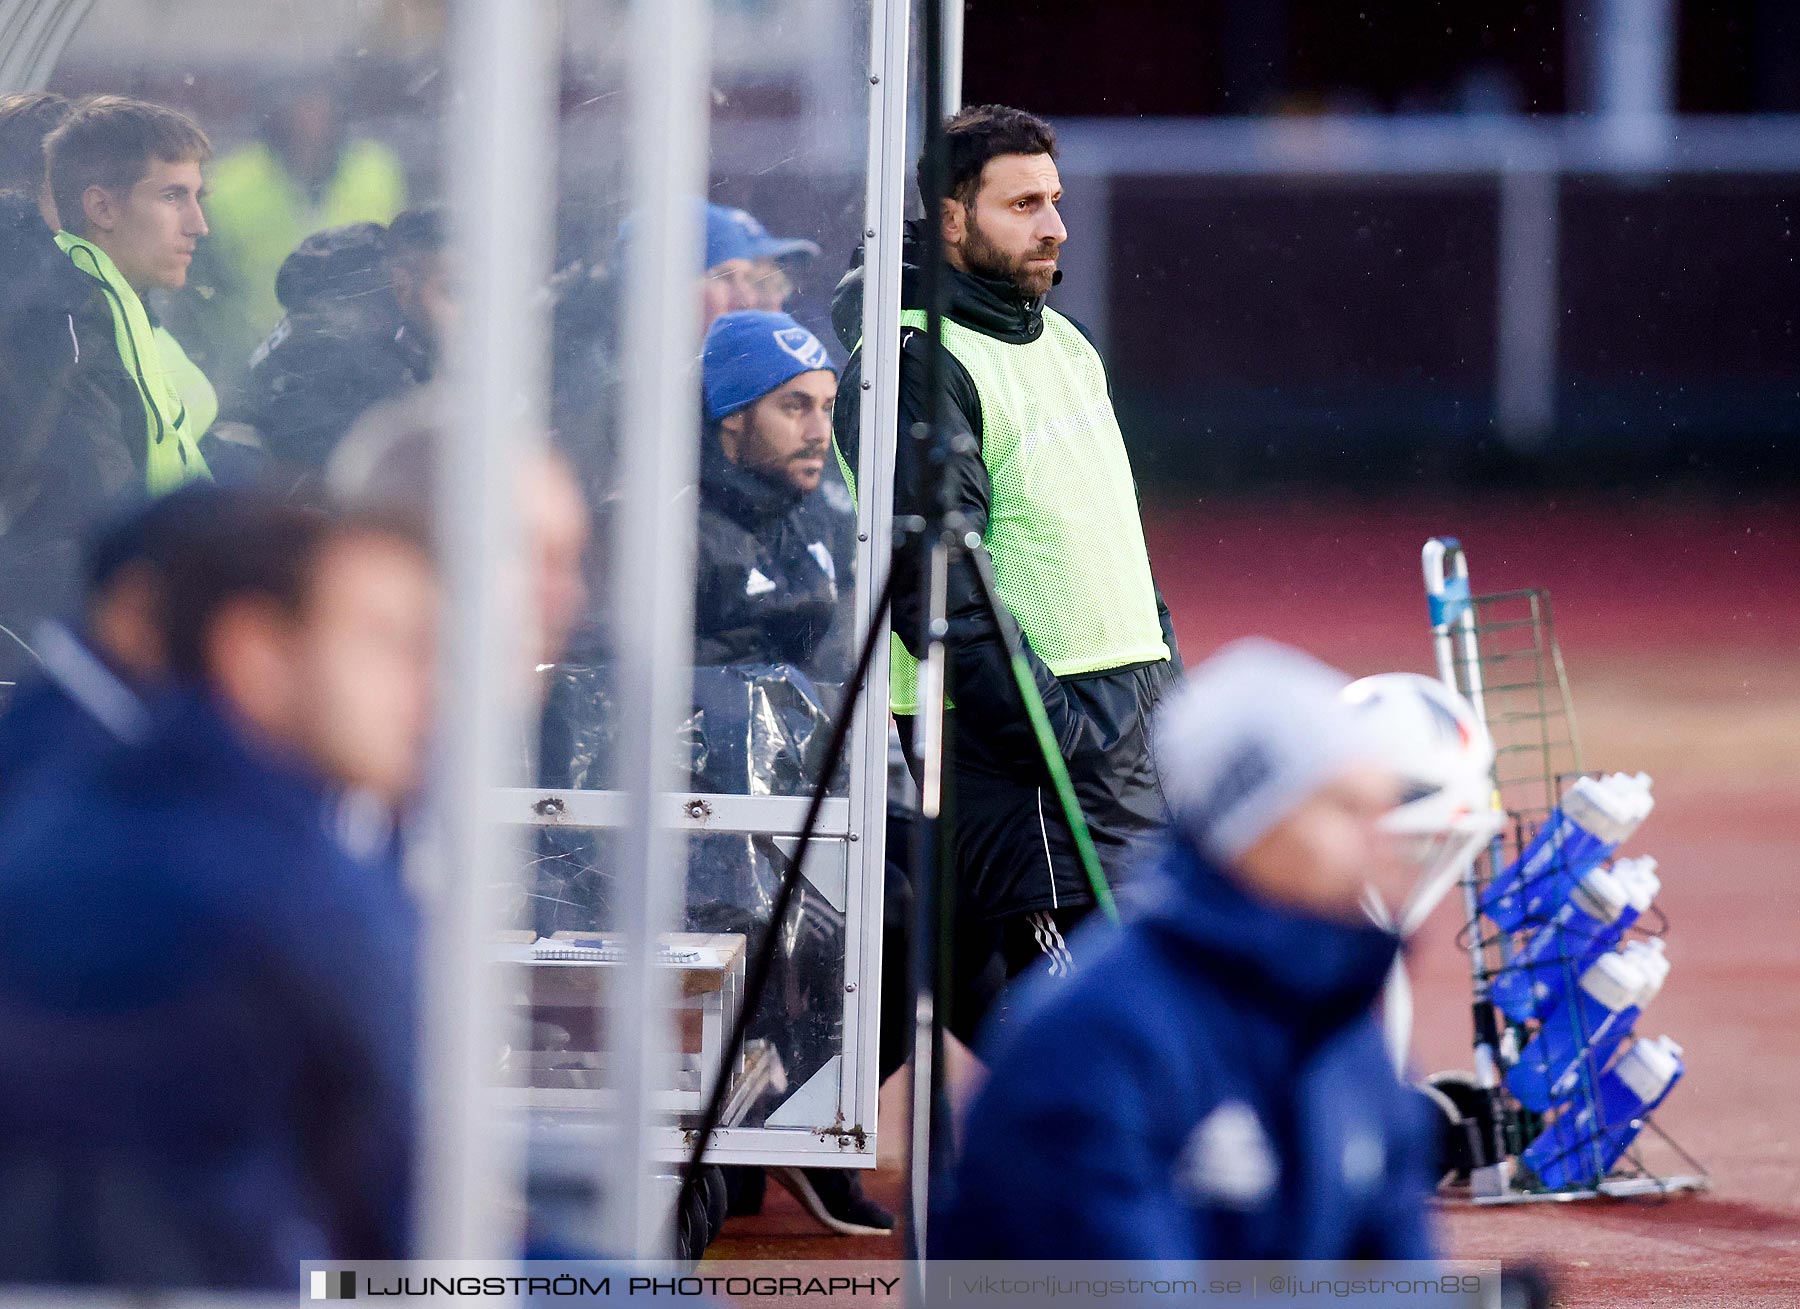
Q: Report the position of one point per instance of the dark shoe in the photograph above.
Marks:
(743, 1191)
(834, 1196)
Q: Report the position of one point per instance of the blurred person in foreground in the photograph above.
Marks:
(206, 991)
(91, 392)
(1037, 467)
(391, 462)
(98, 676)
(1213, 1083)
(368, 312)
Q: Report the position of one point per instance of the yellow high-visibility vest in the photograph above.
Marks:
(172, 456)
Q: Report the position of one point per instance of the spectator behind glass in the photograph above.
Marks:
(126, 177)
(368, 309)
(25, 120)
(206, 999)
(80, 427)
(306, 172)
(746, 268)
(92, 682)
(774, 560)
(390, 461)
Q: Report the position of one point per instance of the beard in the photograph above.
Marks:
(986, 259)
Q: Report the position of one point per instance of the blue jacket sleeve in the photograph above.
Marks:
(1403, 1223)
(1072, 1161)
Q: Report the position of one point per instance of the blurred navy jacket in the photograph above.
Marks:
(206, 1022)
(63, 716)
(1210, 1085)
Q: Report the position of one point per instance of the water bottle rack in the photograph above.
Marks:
(1516, 1126)
(1500, 651)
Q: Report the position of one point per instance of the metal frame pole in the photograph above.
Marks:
(652, 600)
(951, 80)
(1634, 67)
(933, 851)
(1525, 297)
(884, 211)
(500, 125)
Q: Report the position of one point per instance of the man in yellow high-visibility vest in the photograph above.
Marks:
(95, 402)
(125, 176)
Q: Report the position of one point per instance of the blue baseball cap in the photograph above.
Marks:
(751, 352)
(736, 234)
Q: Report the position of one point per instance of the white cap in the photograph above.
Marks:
(1654, 964)
(1615, 981)
(1250, 735)
(1648, 1068)
(1606, 806)
(1639, 878)
(1600, 895)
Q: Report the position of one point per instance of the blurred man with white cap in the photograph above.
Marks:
(1213, 1082)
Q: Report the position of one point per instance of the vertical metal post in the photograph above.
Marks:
(884, 209)
(952, 82)
(1525, 305)
(652, 601)
(1634, 72)
(932, 855)
(501, 123)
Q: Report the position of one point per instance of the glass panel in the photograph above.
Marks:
(337, 130)
(774, 606)
(251, 262)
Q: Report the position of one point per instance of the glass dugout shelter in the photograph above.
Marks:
(615, 763)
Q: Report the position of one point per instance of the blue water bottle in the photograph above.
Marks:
(1584, 1141)
(1596, 816)
(1534, 978)
(1582, 1033)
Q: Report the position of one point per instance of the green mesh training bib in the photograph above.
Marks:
(172, 456)
(1063, 527)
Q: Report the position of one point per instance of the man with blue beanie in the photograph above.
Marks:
(1212, 1084)
(773, 581)
(746, 267)
(775, 559)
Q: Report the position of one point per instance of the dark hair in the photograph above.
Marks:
(981, 132)
(109, 141)
(256, 547)
(416, 232)
(25, 120)
(155, 533)
(253, 547)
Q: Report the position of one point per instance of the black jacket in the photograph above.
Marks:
(1016, 852)
(773, 574)
(342, 347)
(71, 423)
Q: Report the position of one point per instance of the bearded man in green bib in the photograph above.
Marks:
(1038, 469)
